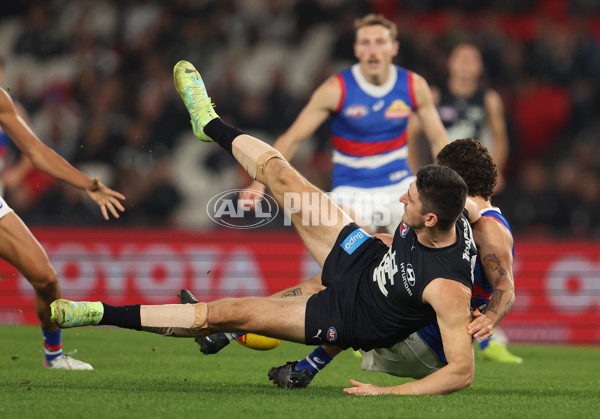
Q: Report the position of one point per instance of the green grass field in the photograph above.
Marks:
(144, 375)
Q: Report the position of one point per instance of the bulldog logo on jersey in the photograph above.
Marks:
(356, 111)
(398, 110)
(404, 229)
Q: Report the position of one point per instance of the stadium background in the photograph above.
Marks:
(95, 77)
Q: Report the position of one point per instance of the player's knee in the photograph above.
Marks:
(45, 281)
(226, 313)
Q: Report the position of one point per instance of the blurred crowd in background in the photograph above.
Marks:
(95, 78)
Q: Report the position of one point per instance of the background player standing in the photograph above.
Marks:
(368, 106)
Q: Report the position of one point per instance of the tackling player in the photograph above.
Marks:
(375, 295)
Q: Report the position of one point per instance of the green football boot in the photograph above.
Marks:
(66, 313)
(190, 87)
(499, 353)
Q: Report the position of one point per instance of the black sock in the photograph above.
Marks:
(122, 316)
(222, 133)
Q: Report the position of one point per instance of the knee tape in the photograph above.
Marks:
(262, 162)
(254, 155)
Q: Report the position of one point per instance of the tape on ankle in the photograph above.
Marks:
(254, 155)
(179, 320)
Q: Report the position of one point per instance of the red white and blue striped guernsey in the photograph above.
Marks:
(369, 129)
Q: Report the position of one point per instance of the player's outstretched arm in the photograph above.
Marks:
(45, 159)
(428, 114)
(450, 301)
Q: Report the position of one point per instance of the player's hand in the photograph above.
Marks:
(106, 198)
(481, 327)
(362, 389)
(253, 193)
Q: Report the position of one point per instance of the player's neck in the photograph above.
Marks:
(463, 88)
(376, 79)
(435, 238)
(482, 203)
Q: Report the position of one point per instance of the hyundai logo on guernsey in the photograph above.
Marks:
(331, 334)
(354, 240)
(228, 210)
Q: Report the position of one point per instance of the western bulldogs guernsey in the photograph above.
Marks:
(482, 291)
(462, 118)
(389, 305)
(369, 129)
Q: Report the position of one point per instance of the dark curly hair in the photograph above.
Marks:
(472, 161)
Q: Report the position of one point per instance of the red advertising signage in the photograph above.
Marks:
(558, 286)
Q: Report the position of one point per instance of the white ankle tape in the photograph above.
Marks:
(183, 320)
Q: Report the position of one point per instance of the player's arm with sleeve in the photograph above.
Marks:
(495, 115)
(322, 103)
(47, 160)
(495, 244)
(450, 300)
(428, 115)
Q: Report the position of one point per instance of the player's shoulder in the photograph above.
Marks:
(421, 90)
(328, 94)
(418, 80)
(491, 230)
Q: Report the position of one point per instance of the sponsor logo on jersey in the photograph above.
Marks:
(356, 111)
(410, 275)
(377, 106)
(467, 234)
(354, 240)
(397, 110)
(470, 252)
(404, 229)
(331, 334)
(406, 277)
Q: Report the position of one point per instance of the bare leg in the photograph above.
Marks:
(281, 318)
(318, 223)
(278, 318)
(309, 287)
(19, 248)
